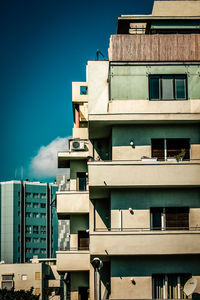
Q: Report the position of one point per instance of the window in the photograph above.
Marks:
(43, 205)
(164, 149)
(36, 240)
(28, 195)
(7, 285)
(37, 275)
(37, 291)
(28, 250)
(28, 204)
(36, 215)
(42, 250)
(43, 215)
(24, 277)
(35, 195)
(43, 240)
(169, 286)
(169, 218)
(35, 229)
(28, 215)
(28, 229)
(83, 90)
(36, 250)
(43, 195)
(167, 87)
(7, 277)
(28, 240)
(35, 205)
(43, 229)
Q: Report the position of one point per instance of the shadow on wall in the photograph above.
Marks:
(146, 198)
(142, 134)
(146, 266)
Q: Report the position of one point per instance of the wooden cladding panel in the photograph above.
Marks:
(156, 47)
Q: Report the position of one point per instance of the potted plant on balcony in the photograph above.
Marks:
(180, 156)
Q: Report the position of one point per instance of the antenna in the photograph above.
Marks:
(190, 286)
(22, 171)
(99, 52)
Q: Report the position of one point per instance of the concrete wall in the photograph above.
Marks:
(176, 8)
(141, 268)
(30, 271)
(130, 173)
(72, 202)
(141, 135)
(76, 93)
(98, 87)
(155, 107)
(81, 133)
(131, 82)
(73, 261)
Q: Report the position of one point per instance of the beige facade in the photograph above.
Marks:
(134, 197)
(41, 275)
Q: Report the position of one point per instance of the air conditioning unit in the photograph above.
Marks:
(77, 145)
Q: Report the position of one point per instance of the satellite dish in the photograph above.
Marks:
(190, 286)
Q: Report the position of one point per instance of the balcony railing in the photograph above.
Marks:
(108, 174)
(156, 47)
(146, 229)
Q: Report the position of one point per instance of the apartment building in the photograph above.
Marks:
(28, 222)
(40, 274)
(134, 198)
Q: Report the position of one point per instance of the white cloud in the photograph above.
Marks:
(44, 164)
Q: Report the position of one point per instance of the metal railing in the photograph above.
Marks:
(154, 229)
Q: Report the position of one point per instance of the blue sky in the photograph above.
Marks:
(45, 45)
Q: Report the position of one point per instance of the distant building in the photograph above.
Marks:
(28, 221)
(41, 274)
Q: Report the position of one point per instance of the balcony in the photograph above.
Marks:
(115, 174)
(143, 112)
(72, 202)
(79, 92)
(145, 242)
(79, 150)
(73, 261)
(155, 47)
